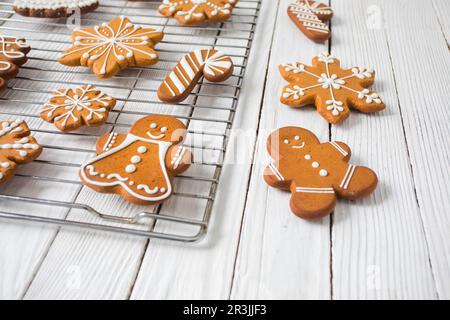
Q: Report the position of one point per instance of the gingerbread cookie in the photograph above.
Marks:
(315, 173)
(13, 53)
(195, 12)
(212, 64)
(139, 165)
(310, 17)
(69, 109)
(111, 47)
(331, 89)
(53, 8)
(16, 147)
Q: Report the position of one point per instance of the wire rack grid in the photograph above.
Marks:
(48, 190)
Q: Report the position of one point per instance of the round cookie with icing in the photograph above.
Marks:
(141, 164)
(53, 8)
(315, 173)
(212, 64)
(112, 47)
(70, 109)
(13, 53)
(16, 147)
(310, 17)
(195, 12)
(330, 88)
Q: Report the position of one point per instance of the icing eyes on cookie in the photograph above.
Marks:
(286, 141)
(153, 125)
(296, 138)
(164, 129)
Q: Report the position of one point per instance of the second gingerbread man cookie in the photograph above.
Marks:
(315, 173)
(139, 165)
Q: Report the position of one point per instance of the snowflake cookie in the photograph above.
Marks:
(212, 64)
(141, 164)
(69, 109)
(310, 17)
(53, 8)
(16, 147)
(111, 47)
(315, 173)
(194, 12)
(331, 89)
(13, 53)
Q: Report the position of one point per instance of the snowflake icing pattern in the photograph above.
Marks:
(197, 11)
(332, 89)
(111, 47)
(70, 109)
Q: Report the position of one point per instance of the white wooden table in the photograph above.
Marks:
(392, 245)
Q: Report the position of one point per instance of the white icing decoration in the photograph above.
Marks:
(9, 53)
(22, 145)
(130, 168)
(276, 172)
(314, 190)
(142, 149)
(348, 176)
(307, 156)
(108, 42)
(307, 11)
(331, 82)
(129, 140)
(323, 173)
(78, 103)
(52, 4)
(315, 164)
(178, 157)
(135, 159)
(198, 7)
(191, 66)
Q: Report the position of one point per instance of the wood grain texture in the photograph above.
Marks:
(442, 9)
(379, 247)
(421, 73)
(205, 270)
(281, 256)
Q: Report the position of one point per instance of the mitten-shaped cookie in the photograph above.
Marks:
(315, 173)
(310, 17)
(139, 165)
(13, 53)
(330, 88)
(16, 147)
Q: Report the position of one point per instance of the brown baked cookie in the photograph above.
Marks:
(53, 8)
(112, 47)
(139, 165)
(70, 109)
(16, 147)
(212, 64)
(13, 53)
(315, 173)
(331, 89)
(195, 12)
(310, 17)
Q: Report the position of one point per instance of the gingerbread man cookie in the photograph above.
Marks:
(194, 12)
(315, 173)
(69, 109)
(16, 147)
(13, 53)
(53, 8)
(310, 17)
(139, 165)
(212, 64)
(331, 89)
(112, 47)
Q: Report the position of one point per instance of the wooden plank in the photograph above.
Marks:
(421, 73)
(281, 256)
(379, 248)
(442, 9)
(204, 271)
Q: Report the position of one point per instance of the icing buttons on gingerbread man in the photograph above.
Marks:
(315, 173)
(140, 165)
(330, 88)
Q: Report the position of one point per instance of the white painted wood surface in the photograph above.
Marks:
(392, 245)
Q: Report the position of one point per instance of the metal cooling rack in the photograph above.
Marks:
(208, 113)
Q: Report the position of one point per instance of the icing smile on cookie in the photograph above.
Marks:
(296, 138)
(163, 131)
